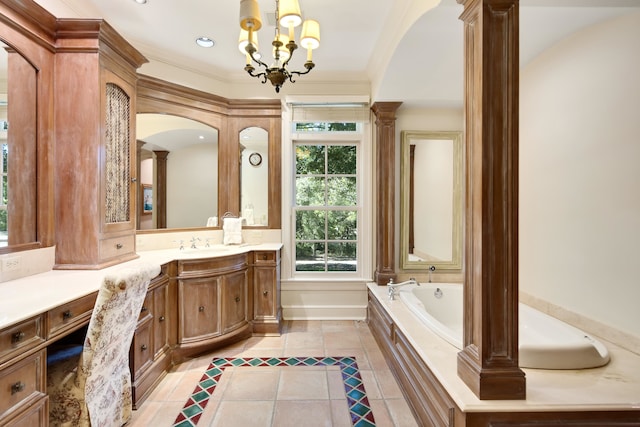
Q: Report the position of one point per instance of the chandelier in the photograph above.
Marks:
(287, 15)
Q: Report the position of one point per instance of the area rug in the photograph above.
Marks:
(359, 407)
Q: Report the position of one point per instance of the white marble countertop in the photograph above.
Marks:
(26, 297)
(615, 386)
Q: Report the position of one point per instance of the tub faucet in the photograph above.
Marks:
(432, 268)
(392, 288)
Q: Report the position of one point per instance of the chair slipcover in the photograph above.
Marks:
(95, 390)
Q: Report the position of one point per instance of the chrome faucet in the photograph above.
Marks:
(193, 242)
(392, 288)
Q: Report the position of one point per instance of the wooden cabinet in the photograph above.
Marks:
(267, 310)
(212, 303)
(23, 398)
(95, 165)
(150, 353)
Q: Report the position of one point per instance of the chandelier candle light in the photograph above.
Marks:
(288, 15)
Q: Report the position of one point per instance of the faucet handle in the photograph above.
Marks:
(390, 281)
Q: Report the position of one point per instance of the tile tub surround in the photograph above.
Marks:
(613, 387)
(284, 396)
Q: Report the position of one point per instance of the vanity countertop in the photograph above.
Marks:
(23, 298)
(615, 386)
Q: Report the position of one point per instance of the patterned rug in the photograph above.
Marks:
(359, 408)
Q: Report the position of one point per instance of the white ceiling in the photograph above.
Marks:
(358, 39)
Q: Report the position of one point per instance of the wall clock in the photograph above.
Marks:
(255, 159)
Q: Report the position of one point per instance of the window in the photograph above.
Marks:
(326, 206)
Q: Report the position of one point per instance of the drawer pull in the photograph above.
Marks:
(264, 256)
(265, 293)
(17, 337)
(143, 347)
(67, 315)
(118, 245)
(237, 299)
(17, 387)
(143, 309)
(201, 308)
(161, 318)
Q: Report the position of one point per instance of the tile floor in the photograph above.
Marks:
(284, 396)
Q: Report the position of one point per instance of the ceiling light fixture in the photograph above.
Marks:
(141, 1)
(288, 15)
(205, 42)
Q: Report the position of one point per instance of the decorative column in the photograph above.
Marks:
(160, 203)
(385, 113)
(488, 364)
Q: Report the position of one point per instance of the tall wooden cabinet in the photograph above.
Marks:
(95, 163)
(267, 311)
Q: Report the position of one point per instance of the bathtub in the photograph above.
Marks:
(545, 342)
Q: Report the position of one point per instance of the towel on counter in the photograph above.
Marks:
(232, 231)
(212, 221)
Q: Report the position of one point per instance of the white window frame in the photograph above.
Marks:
(362, 139)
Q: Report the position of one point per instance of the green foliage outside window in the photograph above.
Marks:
(326, 201)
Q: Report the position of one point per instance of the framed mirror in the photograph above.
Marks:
(254, 176)
(178, 172)
(18, 140)
(431, 169)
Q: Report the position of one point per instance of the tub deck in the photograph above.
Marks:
(611, 391)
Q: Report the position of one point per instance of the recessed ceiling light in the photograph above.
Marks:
(205, 42)
(141, 1)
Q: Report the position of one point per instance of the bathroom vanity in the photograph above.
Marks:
(200, 301)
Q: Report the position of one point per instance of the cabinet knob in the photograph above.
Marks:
(143, 309)
(17, 337)
(201, 308)
(161, 318)
(264, 256)
(118, 245)
(17, 387)
(67, 315)
(143, 347)
(237, 299)
(134, 179)
(265, 293)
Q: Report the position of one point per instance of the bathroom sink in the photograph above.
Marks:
(211, 250)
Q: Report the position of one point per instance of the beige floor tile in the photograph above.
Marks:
(370, 384)
(401, 413)
(303, 384)
(340, 415)
(166, 414)
(388, 385)
(340, 340)
(304, 340)
(185, 387)
(259, 383)
(336, 384)
(304, 326)
(381, 413)
(302, 413)
(265, 342)
(346, 326)
(243, 414)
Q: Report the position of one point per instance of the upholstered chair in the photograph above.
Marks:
(94, 389)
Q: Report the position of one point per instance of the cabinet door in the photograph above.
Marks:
(234, 300)
(160, 316)
(265, 293)
(198, 305)
(141, 348)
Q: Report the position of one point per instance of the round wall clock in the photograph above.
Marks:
(255, 159)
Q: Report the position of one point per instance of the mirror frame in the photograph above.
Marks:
(407, 137)
(229, 117)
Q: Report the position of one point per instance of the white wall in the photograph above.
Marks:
(580, 175)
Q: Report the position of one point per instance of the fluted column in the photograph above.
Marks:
(385, 113)
(488, 364)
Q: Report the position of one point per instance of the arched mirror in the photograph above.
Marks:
(431, 200)
(18, 91)
(178, 160)
(254, 176)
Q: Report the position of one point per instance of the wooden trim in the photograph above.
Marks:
(385, 113)
(488, 364)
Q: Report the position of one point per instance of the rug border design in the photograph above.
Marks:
(359, 407)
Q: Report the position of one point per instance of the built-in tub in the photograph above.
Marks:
(545, 342)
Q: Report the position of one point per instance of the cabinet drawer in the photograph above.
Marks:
(117, 246)
(21, 337)
(141, 349)
(266, 257)
(21, 381)
(71, 314)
